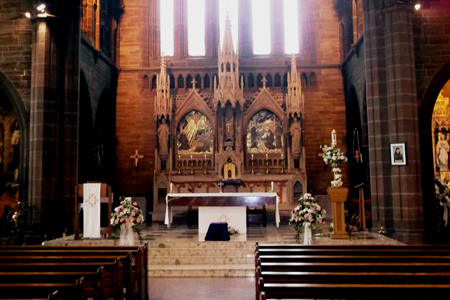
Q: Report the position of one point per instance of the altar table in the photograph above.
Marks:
(220, 199)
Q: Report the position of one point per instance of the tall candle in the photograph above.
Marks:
(252, 156)
(281, 155)
(267, 156)
(191, 157)
(272, 186)
(333, 137)
(171, 187)
(205, 156)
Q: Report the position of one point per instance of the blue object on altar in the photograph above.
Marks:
(217, 232)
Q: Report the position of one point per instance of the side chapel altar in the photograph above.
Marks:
(206, 134)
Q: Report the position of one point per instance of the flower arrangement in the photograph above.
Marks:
(306, 211)
(127, 213)
(232, 230)
(335, 157)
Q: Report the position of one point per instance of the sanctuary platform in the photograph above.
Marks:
(180, 251)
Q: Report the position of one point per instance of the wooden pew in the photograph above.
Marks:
(74, 290)
(382, 266)
(353, 291)
(113, 281)
(139, 258)
(127, 274)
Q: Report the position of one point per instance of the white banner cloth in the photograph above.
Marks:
(168, 217)
(91, 210)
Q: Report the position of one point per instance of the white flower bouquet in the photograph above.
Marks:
(334, 156)
(127, 212)
(306, 211)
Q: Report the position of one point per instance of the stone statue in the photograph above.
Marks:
(442, 149)
(163, 138)
(296, 134)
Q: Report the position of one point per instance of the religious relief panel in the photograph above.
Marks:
(194, 134)
(265, 133)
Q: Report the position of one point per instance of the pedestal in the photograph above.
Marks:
(337, 198)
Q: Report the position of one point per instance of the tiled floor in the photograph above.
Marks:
(202, 288)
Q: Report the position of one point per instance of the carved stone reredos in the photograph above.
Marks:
(222, 159)
(192, 102)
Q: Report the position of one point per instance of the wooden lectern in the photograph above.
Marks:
(105, 192)
(337, 198)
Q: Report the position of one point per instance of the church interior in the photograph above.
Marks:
(225, 101)
(144, 97)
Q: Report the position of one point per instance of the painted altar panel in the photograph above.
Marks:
(265, 133)
(194, 134)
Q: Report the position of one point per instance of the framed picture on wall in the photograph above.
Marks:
(398, 154)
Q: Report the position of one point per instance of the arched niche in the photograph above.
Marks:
(264, 133)
(194, 134)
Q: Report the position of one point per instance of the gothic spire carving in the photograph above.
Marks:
(228, 88)
(163, 100)
(295, 97)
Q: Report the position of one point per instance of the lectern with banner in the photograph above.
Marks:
(92, 195)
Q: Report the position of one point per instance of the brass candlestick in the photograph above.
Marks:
(192, 166)
(282, 166)
(179, 166)
(205, 163)
(267, 166)
(253, 166)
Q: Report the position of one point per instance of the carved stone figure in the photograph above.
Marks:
(163, 138)
(15, 140)
(296, 134)
(442, 149)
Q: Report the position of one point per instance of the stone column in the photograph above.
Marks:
(392, 118)
(54, 118)
(212, 27)
(180, 28)
(245, 28)
(277, 28)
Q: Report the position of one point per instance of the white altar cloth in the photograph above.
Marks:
(168, 217)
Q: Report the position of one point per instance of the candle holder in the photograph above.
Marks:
(253, 166)
(179, 167)
(191, 162)
(267, 166)
(282, 166)
(205, 165)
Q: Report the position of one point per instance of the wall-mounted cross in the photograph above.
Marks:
(136, 157)
(193, 83)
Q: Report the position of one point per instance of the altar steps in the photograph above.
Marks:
(201, 259)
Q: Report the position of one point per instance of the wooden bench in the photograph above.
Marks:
(139, 258)
(295, 271)
(113, 281)
(76, 290)
(90, 261)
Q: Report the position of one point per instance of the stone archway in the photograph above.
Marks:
(426, 108)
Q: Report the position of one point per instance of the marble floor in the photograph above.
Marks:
(202, 288)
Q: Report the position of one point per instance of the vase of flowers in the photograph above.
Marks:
(305, 217)
(232, 230)
(334, 156)
(125, 218)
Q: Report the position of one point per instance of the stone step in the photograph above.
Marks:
(209, 260)
(176, 252)
(202, 270)
(203, 245)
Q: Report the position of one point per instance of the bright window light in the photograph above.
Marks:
(166, 17)
(261, 26)
(290, 27)
(196, 27)
(230, 6)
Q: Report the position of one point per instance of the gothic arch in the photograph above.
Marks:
(192, 102)
(10, 92)
(85, 132)
(264, 101)
(435, 85)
